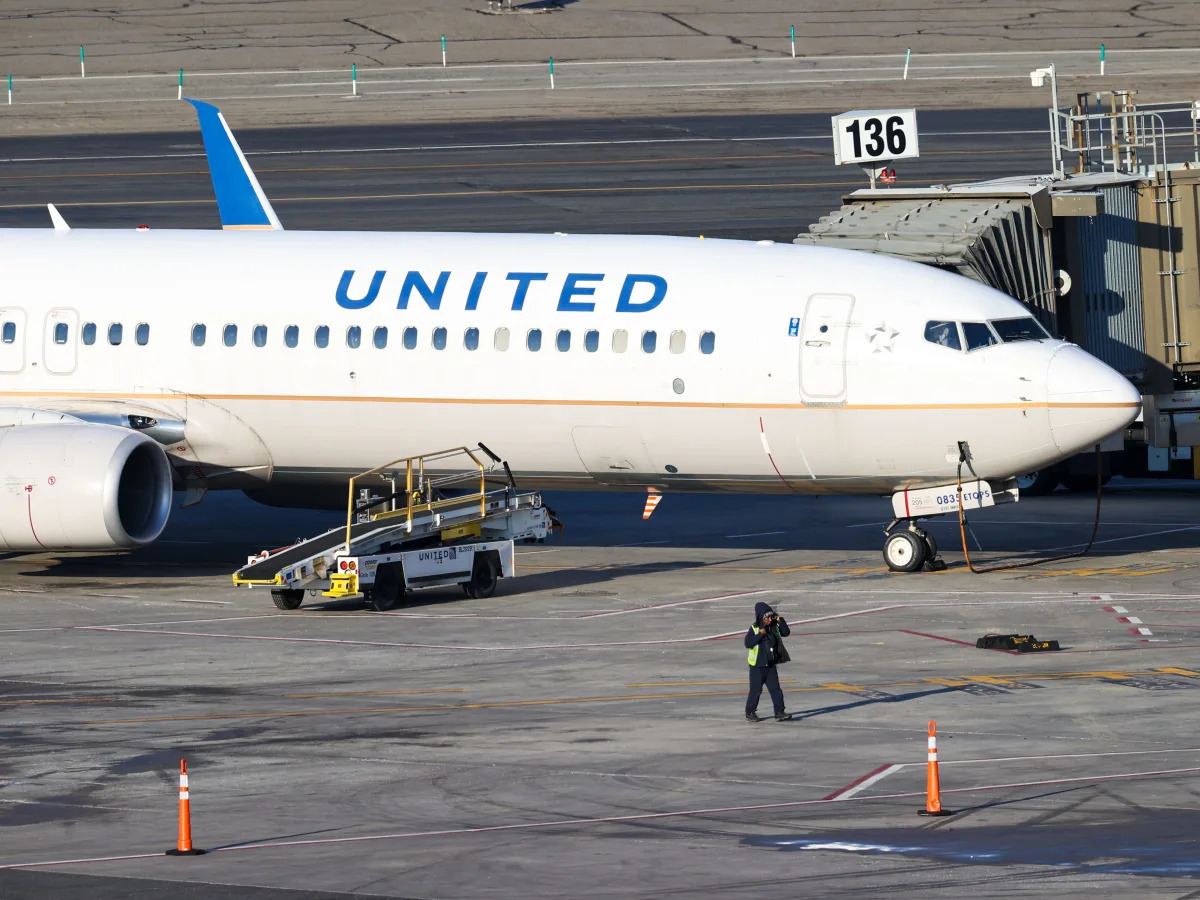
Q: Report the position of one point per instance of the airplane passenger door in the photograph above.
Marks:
(60, 341)
(823, 335)
(12, 339)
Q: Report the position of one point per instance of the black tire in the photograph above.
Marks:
(485, 576)
(1039, 483)
(287, 599)
(385, 594)
(931, 547)
(904, 551)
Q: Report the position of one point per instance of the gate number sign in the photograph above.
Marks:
(869, 136)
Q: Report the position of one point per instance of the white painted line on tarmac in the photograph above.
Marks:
(620, 612)
(601, 820)
(1132, 537)
(641, 544)
(755, 534)
(861, 784)
(354, 643)
(210, 602)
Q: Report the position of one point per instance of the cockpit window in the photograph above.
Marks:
(1027, 329)
(944, 334)
(978, 334)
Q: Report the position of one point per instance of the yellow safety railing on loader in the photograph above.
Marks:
(419, 486)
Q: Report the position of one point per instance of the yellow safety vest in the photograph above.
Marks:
(752, 656)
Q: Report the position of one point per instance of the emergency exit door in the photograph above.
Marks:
(824, 332)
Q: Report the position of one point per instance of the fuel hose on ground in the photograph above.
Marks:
(965, 457)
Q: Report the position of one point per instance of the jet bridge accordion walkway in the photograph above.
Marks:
(435, 506)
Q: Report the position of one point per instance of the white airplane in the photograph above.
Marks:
(137, 363)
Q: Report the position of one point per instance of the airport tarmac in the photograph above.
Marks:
(582, 732)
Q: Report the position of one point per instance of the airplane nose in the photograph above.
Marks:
(1088, 401)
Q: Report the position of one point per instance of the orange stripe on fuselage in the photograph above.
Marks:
(497, 401)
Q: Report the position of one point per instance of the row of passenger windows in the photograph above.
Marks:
(440, 338)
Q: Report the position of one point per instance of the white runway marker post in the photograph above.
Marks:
(181, 84)
(82, 69)
(1101, 60)
(10, 90)
(354, 79)
(907, 57)
(793, 42)
(443, 51)
(552, 73)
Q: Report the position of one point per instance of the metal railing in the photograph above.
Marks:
(421, 489)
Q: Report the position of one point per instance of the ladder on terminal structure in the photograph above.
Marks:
(429, 500)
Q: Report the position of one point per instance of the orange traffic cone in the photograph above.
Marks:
(183, 846)
(933, 788)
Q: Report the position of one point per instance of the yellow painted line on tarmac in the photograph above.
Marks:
(375, 693)
(695, 683)
(509, 164)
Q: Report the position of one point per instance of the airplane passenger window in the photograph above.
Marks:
(501, 342)
(379, 338)
(114, 333)
(229, 335)
(60, 333)
(944, 334)
(1026, 329)
(708, 342)
(978, 335)
(410, 338)
(141, 334)
(439, 339)
(10, 332)
(199, 332)
(591, 341)
(353, 337)
(260, 335)
(563, 341)
(678, 341)
(649, 341)
(533, 340)
(471, 339)
(620, 340)
(89, 333)
(291, 336)
(321, 336)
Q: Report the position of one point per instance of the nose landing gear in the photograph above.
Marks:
(909, 548)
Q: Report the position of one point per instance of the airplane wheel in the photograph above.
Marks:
(903, 551)
(484, 578)
(931, 547)
(287, 599)
(388, 588)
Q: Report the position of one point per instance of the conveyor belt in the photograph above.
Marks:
(266, 569)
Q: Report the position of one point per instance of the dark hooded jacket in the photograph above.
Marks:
(768, 641)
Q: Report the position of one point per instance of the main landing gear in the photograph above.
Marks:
(907, 548)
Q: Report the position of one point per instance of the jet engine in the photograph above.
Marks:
(80, 486)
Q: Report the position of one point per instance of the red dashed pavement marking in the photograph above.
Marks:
(1145, 635)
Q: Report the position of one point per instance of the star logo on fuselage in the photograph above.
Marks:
(882, 338)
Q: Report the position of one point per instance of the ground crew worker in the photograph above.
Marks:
(764, 640)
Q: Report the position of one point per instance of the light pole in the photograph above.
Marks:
(1038, 78)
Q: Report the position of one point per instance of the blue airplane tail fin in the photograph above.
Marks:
(240, 198)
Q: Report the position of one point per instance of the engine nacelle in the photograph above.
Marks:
(78, 486)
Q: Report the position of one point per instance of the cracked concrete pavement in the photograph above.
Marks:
(964, 55)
